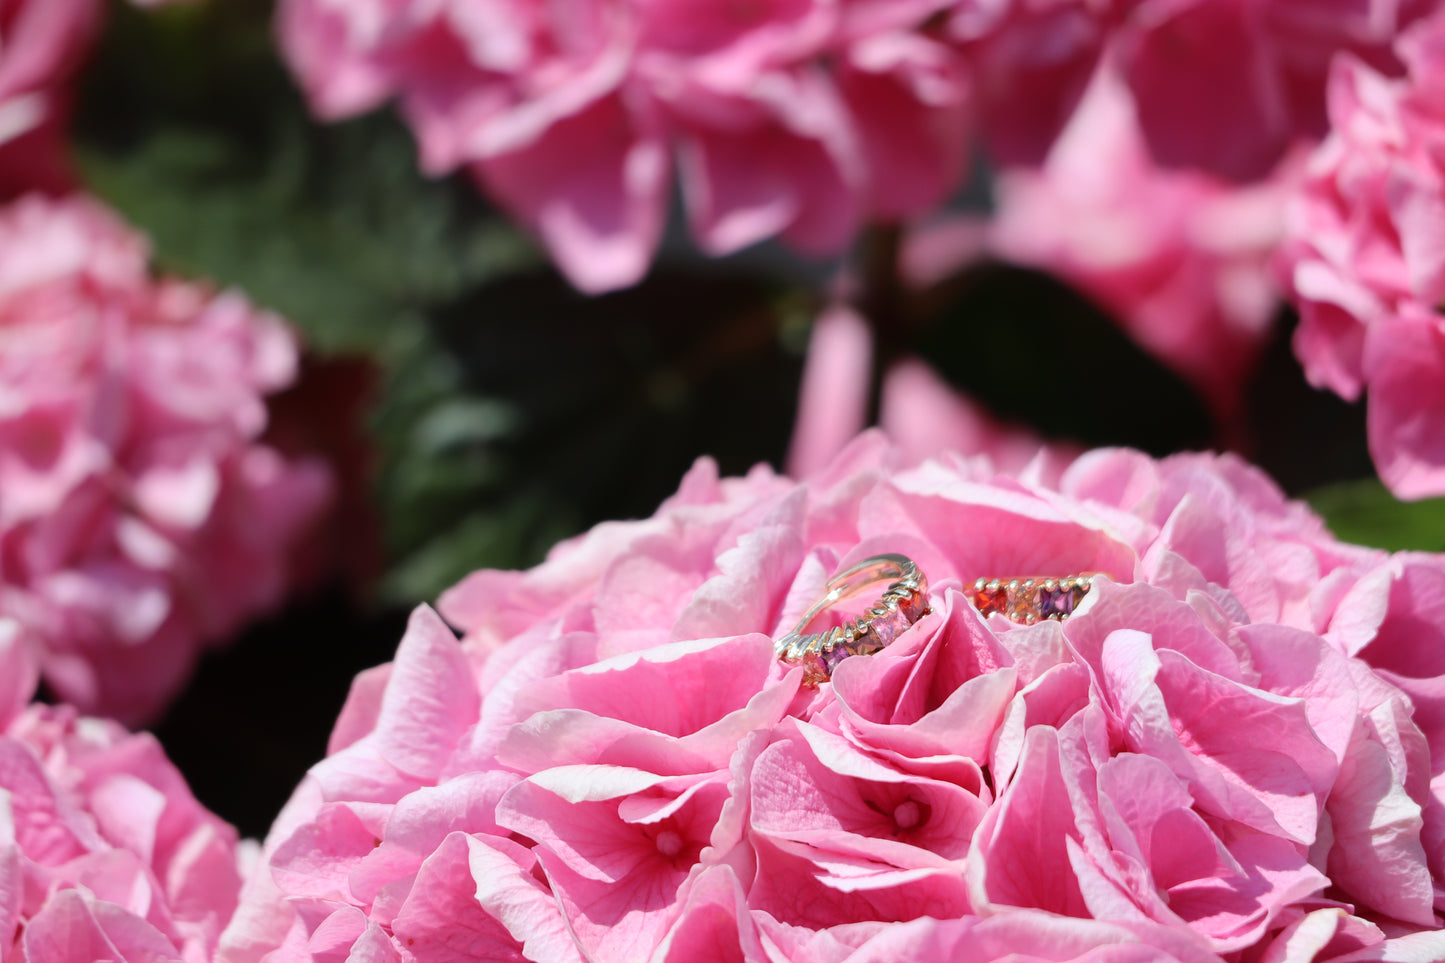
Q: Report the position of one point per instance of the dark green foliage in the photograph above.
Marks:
(1038, 353)
(1365, 512)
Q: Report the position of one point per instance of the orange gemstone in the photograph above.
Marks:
(1024, 605)
(988, 601)
(913, 606)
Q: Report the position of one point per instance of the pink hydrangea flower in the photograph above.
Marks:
(790, 118)
(1230, 749)
(1030, 62)
(104, 852)
(1224, 86)
(1181, 259)
(1230, 86)
(141, 519)
(1366, 258)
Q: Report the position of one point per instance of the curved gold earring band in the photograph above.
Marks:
(904, 602)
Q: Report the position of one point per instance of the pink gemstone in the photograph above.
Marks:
(1024, 602)
(888, 627)
(815, 670)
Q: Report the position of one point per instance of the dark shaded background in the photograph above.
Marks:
(481, 409)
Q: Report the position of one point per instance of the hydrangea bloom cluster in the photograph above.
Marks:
(1232, 749)
(800, 118)
(141, 518)
(1253, 77)
(785, 117)
(1180, 258)
(104, 852)
(1225, 86)
(1366, 258)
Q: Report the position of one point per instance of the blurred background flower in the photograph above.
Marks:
(142, 518)
(45, 46)
(1365, 257)
(800, 119)
(1179, 257)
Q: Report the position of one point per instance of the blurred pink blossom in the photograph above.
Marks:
(1179, 258)
(44, 43)
(791, 118)
(611, 765)
(1365, 259)
(1030, 62)
(803, 119)
(141, 519)
(104, 852)
(1231, 86)
(1228, 87)
(834, 391)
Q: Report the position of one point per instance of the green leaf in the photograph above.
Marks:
(1033, 350)
(525, 528)
(1364, 512)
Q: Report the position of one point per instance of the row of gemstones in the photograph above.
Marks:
(901, 606)
(1029, 600)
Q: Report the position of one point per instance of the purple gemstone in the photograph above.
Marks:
(833, 656)
(1055, 602)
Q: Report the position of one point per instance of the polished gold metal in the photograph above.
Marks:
(904, 602)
